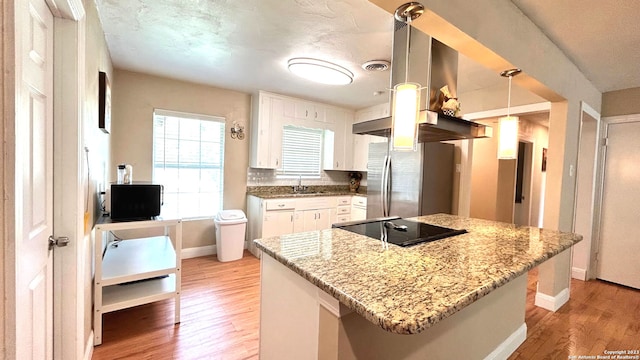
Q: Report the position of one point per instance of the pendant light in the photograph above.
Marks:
(406, 95)
(508, 125)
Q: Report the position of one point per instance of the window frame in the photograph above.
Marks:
(175, 210)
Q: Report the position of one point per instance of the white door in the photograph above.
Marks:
(620, 242)
(34, 180)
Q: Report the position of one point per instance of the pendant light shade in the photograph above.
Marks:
(406, 108)
(508, 126)
(508, 140)
(406, 96)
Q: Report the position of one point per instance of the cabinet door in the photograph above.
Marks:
(323, 219)
(298, 221)
(347, 121)
(275, 139)
(309, 218)
(260, 131)
(304, 110)
(334, 153)
(276, 223)
(358, 213)
(360, 152)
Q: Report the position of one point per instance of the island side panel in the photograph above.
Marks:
(491, 328)
(288, 313)
(295, 325)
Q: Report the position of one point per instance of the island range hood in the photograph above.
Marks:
(433, 65)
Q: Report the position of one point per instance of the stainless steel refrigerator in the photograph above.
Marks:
(410, 183)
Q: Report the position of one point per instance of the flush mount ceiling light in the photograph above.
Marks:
(508, 125)
(406, 95)
(320, 71)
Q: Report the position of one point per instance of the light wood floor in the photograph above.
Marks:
(221, 306)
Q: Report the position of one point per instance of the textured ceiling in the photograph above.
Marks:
(601, 37)
(245, 45)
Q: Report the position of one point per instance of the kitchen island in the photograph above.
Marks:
(333, 294)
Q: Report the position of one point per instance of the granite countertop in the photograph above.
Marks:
(279, 192)
(406, 290)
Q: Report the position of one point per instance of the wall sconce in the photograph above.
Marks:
(508, 125)
(237, 131)
(406, 96)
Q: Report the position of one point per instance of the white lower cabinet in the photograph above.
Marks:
(275, 217)
(309, 220)
(358, 208)
(276, 223)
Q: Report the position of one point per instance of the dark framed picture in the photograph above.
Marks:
(104, 102)
(544, 159)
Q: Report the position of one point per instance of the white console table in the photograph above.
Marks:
(135, 271)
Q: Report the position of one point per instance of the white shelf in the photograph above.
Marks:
(116, 297)
(126, 275)
(137, 259)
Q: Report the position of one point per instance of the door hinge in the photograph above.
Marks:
(605, 142)
(60, 241)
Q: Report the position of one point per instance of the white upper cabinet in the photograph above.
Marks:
(338, 142)
(266, 131)
(361, 143)
(271, 112)
(305, 110)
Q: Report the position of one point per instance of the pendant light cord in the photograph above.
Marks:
(509, 99)
(406, 67)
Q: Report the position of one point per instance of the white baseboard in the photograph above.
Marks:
(88, 348)
(188, 253)
(509, 345)
(552, 303)
(198, 251)
(578, 273)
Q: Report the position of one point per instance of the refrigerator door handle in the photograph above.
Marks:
(384, 188)
(389, 186)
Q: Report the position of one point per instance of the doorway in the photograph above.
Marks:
(522, 198)
(585, 193)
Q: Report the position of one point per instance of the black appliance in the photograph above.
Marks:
(398, 231)
(135, 201)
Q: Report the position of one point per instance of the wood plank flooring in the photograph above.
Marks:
(221, 312)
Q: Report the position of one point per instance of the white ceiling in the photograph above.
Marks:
(245, 45)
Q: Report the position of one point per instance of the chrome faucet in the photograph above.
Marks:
(299, 188)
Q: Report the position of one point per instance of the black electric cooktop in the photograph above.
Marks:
(399, 231)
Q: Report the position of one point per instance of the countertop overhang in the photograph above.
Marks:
(407, 290)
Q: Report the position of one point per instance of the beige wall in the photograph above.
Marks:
(136, 95)
(493, 180)
(97, 59)
(621, 102)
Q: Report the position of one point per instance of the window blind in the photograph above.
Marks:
(301, 151)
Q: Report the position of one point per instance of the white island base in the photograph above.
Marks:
(300, 321)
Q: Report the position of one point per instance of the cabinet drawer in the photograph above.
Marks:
(360, 201)
(321, 202)
(344, 200)
(343, 218)
(344, 210)
(280, 204)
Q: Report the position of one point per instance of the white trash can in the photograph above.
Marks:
(230, 229)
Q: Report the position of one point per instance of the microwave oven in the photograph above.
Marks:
(135, 201)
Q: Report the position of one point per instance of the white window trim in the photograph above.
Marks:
(195, 116)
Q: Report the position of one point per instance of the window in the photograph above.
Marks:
(301, 151)
(188, 159)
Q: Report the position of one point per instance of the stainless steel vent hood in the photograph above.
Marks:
(433, 65)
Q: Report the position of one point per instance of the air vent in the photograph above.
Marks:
(376, 65)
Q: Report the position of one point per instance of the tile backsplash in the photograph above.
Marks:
(268, 177)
